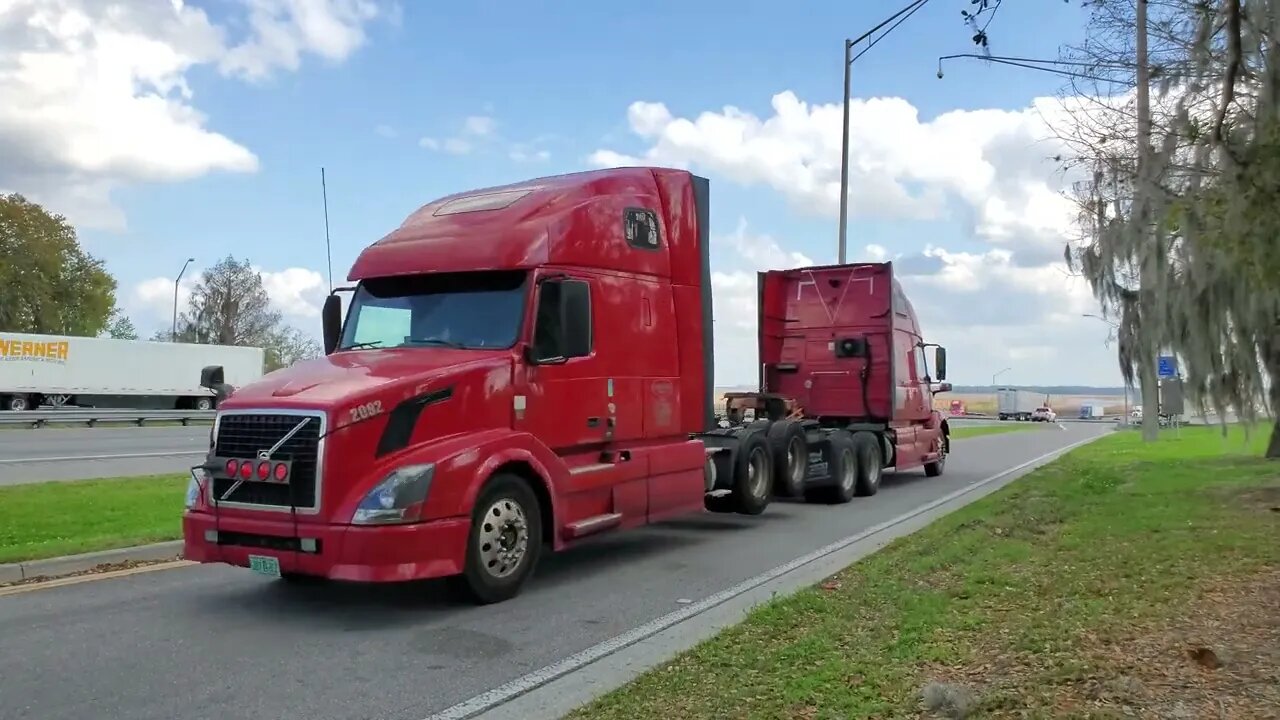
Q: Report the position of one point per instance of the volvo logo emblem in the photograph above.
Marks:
(264, 454)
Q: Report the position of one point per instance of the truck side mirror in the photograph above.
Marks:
(331, 318)
(940, 362)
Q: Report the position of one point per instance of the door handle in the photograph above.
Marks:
(593, 422)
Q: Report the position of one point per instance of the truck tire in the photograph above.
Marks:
(203, 403)
(752, 472)
(790, 457)
(843, 464)
(866, 446)
(504, 542)
(936, 468)
(17, 403)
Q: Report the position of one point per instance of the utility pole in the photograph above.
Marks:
(1148, 317)
(844, 157)
(173, 333)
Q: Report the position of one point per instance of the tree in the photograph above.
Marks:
(1181, 246)
(120, 326)
(1204, 247)
(290, 345)
(48, 283)
(229, 306)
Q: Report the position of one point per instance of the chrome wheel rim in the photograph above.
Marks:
(848, 469)
(795, 461)
(504, 537)
(757, 472)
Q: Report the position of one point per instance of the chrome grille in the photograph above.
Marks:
(243, 435)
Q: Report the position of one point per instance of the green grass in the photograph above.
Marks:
(1011, 589)
(49, 519)
(963, 431)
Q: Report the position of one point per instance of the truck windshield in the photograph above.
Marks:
(474, 310)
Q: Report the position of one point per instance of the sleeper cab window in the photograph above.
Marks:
(640, 227)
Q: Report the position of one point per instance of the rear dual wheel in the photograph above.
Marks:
(790, 449)
(752, 476)
(855, 464)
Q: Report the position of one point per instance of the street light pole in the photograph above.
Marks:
(844, 156)
(173, 333)
(901, 17)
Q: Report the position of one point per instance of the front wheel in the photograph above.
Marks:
(504, 543)
(936, 468)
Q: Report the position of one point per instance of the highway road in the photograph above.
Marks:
(217, 642)
(43, 454)
(79, 453)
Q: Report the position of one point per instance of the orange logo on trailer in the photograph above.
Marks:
(54, 351)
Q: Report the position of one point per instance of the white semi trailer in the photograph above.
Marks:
(99, 372)
(1014, 404)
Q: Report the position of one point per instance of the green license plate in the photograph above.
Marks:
(264, 565)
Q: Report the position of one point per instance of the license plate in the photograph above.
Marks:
(264, 565)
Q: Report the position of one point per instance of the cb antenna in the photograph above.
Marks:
(328, 251)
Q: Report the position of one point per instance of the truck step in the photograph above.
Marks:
(592, 525)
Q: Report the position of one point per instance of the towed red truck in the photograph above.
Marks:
(525, 367)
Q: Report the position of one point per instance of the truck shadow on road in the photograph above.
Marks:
(347, 606)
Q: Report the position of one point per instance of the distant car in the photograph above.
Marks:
(1043, 414)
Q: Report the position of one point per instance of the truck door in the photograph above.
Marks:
(565, 401)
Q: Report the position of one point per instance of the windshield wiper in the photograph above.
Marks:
(436, 341)
(359, 345)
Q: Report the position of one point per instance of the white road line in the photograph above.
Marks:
(521, 685)
(121, 456)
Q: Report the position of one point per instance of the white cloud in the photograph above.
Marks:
(96, 95)
(901, 167)
(521, 152)
(282, 31)
(995, 172)
(476, 130)
(478, 125)
(385, 131)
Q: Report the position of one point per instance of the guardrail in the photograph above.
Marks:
(92, 416)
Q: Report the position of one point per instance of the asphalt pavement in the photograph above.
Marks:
(41, 454)
(218, 642)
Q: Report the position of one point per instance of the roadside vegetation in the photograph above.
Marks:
(1125, 579)
(43, 520)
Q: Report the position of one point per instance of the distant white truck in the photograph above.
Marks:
(1014, 404)
(99, 372)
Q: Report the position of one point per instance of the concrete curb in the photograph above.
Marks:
(68, 564)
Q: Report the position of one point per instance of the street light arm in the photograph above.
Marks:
(910, 8)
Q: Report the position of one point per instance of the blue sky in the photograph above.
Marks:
(552, 78)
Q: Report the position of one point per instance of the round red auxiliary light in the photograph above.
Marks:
(246, 469)
(232, 467)
(281, 472)
(264, 470)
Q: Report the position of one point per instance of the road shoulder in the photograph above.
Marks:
(555, 690)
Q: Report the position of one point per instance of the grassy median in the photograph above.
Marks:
(49, 519)
(1123, 580)
(959, 430)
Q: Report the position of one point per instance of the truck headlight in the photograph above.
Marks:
(399, 498)
(195, 485)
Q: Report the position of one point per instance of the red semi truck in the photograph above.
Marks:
(525, 367)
